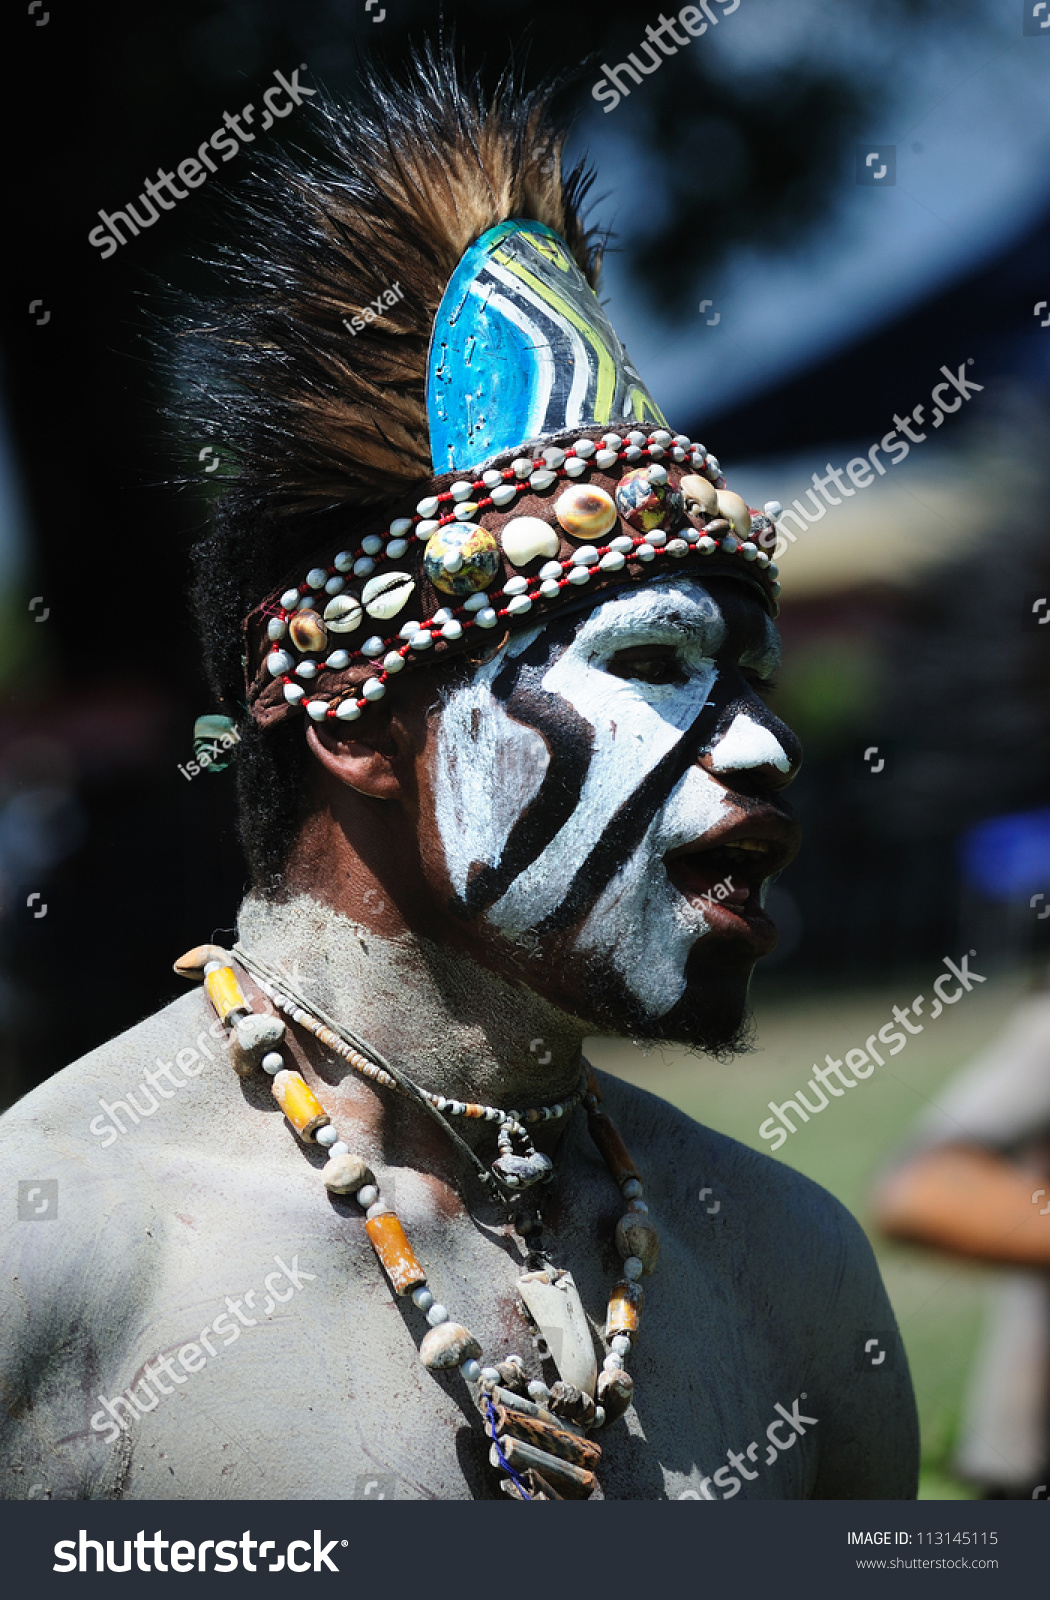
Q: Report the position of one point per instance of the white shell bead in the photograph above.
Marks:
(316, 578)
(396, 549)
(364, 568)
(293, 693)
(326, 1136)
(401, 527)
(306, 669)
(550, 588)
(606, 458)
(661, 436)
(338, 660)
(335, 586)
(612, 441)
(372, 689)
(705, 544)
(340, 1148)
(486, 618)
(437, 1312)
(372, 545)
(637, 437)
(348, 711)
(276, 629)
(656, 539)
(613, 561)
(477, 602)
(425, 528)
(368, 1195)
(645, 552)
(471, 1370)
(317, 709)
(393, 661)
(579, 575)
(279, 661)
(633, 453)
(551, 569)
(461, 490)
(290, 598)
(677, 548)
(553, 456)
(585, 556)
(491, 478)
(542, 478)
(422, 1298)
(421, 640)
(504, 495)
(519, 605)
(465, 511)
(428, 507)
(621, 542)
(657, 474)
(585, 448)
(372, 647)
(525, 538)
(343, 561)
(272, 1062)
(452, 630)
(748, 550)
(521, 466)
(574, 468)
(516, 585)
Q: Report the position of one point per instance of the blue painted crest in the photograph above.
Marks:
(521, 350)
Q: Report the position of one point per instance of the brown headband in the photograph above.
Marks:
(529, 537)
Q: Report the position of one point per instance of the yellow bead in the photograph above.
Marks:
(299, 1104)
(625, 1308)
(224, 992)
(396, 1256)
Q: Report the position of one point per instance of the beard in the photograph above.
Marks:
(711, 1016)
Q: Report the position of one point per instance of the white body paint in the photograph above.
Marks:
(748, 744)
(641, 926)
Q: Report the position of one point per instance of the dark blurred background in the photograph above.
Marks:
(780, 310)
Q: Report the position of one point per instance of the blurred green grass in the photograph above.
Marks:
(938, 1302)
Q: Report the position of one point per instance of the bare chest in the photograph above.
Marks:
(272, 1360)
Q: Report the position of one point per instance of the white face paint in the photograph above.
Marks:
(490, 766)
(747, 743)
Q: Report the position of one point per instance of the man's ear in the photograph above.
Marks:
(369, 762)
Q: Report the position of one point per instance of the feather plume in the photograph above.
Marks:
(407, 178)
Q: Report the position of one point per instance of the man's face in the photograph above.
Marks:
(602, 799)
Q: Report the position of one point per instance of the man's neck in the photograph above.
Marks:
(456, 1028)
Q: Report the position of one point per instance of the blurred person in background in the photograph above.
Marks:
(974, 1180)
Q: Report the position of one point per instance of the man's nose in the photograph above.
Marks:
(761, 752)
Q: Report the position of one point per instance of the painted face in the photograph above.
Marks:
(601, 792)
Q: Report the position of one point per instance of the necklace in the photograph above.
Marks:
(538, 1434)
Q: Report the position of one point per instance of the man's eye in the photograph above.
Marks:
(650, 666)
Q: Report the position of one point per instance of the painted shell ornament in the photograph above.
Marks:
(646, 500)
(461, 558)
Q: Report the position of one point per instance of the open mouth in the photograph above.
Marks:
(722, 876)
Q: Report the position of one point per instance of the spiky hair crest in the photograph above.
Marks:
(407, 178)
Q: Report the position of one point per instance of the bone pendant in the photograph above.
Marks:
(553, 1301)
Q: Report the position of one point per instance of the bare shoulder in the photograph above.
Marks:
(777, 1251)
(680, 1157)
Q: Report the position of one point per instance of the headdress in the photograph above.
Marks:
(419, 371)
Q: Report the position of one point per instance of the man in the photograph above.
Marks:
(506, 779)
